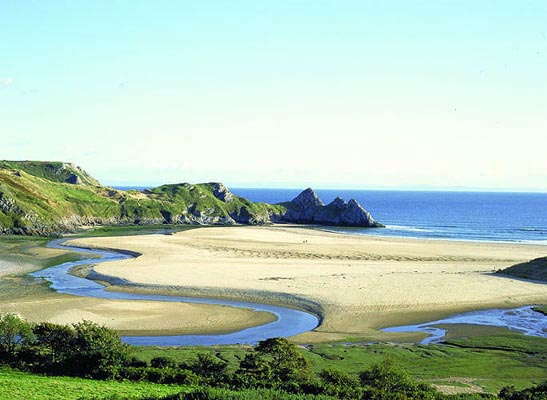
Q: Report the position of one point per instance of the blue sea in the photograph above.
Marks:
(477, 216)
(482, 216)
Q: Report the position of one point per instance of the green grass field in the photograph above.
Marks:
(24, 386)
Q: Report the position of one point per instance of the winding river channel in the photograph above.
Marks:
(289, 321)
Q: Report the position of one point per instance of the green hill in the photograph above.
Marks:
(46, 198)
(535, 269)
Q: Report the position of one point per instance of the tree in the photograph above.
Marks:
(96, 351)
(275, 362)
(53, 345)
(209, 367)
(15, 333)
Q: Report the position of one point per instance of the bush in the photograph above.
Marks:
(538, 392)
(212, 369)
(385, 382)
(273, 363)
(163, 362)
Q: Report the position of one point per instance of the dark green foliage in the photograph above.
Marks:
(163, 362)
(15, 335)
(97, 351)
(248, 394)
(159, 375)
(339, 384)
(83, 349)
(209, 367)
(538, 392)
(385, 381)
(53, 347)
(274, 363)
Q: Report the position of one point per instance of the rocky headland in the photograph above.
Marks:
(50, 198)
(308, 208)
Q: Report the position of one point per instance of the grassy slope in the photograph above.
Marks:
(35, 194)
(16, 385)
(24, 386)
(51, 170)
(535, 269)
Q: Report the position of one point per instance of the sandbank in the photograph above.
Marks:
(358, 283)
(138, 317)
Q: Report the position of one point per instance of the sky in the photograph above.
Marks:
(286, 93)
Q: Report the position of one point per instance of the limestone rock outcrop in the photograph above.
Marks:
(221, 192)
(307, 208)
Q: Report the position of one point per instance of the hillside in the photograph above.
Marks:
(535, 269)
(48, 198)
(43, 198)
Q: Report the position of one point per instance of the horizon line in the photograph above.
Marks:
(402, 188)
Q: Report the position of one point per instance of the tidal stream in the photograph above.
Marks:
(289, 321)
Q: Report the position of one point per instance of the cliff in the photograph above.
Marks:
(48, 198)
(307, 208)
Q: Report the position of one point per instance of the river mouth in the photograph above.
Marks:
(289, 321)
(522, 320)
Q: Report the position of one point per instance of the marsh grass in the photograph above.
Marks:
(490, 362)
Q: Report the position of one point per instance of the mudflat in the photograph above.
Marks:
(35, 302)
(356, 283)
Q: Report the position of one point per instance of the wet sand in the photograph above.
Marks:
(358, 283)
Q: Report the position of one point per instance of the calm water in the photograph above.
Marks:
(289, 321)
(508, 217)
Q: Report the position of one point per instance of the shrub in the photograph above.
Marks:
(274, 363)
(163, 362)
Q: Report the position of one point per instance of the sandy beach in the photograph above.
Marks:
(34, 302)
(357, 283)
(138, 317)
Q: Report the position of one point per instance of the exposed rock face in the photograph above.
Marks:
(307, 208)
(74, 179)
(244, 216)
(221, 192)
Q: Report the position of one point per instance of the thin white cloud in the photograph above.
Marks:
(7, 81)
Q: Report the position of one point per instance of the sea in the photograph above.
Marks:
(476, 216)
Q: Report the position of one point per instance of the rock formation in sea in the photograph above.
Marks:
(307, 208)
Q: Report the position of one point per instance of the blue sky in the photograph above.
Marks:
(351, 94)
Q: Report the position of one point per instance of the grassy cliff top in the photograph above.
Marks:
(54, 171)
(45, 197)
